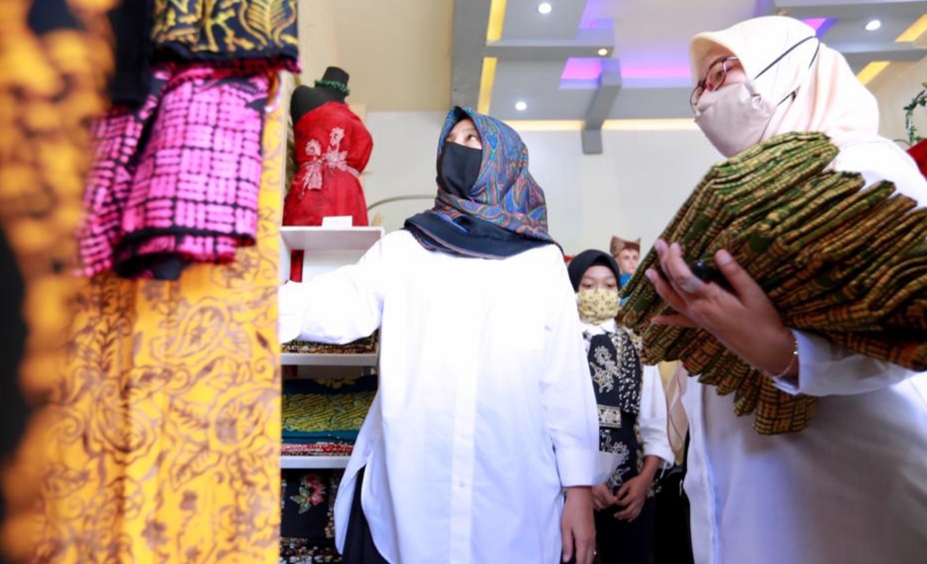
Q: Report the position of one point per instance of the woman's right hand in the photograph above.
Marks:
(602, 497)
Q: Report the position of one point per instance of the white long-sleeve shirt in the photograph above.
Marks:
(485, 409)
(652, 416)
(851, 488)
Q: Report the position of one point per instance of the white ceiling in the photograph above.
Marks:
(423, 55)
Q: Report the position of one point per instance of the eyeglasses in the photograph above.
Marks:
(713, 80)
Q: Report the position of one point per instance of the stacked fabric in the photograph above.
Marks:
(836, 258)
(367, 345)
(323, 416)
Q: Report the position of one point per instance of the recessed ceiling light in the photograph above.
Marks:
(873, 25)
(602, 52)
(544, 8)
(521, 106)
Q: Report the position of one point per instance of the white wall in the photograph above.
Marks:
(894, 88)
(632, 189)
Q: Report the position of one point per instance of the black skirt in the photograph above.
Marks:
(358, 543)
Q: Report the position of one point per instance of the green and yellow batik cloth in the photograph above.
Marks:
(325, 410)
(837, 258)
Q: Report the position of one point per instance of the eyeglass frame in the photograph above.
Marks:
(761, 73)
(702, 85)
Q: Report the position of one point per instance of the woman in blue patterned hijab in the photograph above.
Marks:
(488, 205)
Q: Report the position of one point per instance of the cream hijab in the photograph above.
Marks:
(828, 96)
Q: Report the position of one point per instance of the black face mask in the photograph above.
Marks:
(458, 168)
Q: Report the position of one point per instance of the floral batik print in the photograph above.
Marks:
(617, 375)
(164, 437)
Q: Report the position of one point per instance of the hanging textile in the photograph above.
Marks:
(55, 61)
(176, 180)
(231, 29)
(165, 443)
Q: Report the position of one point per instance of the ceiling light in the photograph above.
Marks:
(544, 8)
(521, 106)
(873, 25)
(602, 52)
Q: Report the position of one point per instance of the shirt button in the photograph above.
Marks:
(462, 484)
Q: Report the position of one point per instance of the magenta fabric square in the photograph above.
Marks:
(176, 180)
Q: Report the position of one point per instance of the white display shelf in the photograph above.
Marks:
(330, 238)
(313, 462)
(305, 359)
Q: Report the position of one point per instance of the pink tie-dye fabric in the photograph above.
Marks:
(176, 180)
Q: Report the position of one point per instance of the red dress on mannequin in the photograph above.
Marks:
(332, 148)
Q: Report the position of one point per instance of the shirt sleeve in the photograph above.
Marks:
(652, 416)
(567, 397)
(827, 369)
(337, 307)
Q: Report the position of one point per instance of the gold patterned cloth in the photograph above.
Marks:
(836, 259)
(165, 439)
(54, 72)
(220, 30)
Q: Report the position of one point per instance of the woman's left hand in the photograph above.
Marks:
(744, 321)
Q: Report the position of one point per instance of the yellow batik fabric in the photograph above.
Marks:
(51, 86)
(166, 436)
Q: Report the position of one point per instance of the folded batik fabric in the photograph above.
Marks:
(317, 449)
(307, 505)
(367, 345)
(322, 411)
(837, 258)
(176, 180)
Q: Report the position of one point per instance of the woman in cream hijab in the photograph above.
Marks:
(852, 487)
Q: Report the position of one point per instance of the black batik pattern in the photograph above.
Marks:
(617, 374)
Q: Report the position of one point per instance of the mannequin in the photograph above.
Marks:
(332, 87)
(627, 255)
(332, 147)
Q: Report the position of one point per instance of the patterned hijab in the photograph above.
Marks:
(505, 214)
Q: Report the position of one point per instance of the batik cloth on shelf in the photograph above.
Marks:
(325, 410)
(317, 449)
(176, 180)
(307, 504)
(301, 551)
(846, 262)
(228, 30)
(55, 60)
(367, 345)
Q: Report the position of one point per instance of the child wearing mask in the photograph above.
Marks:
(632, 413)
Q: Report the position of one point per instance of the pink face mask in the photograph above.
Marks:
(733, 117)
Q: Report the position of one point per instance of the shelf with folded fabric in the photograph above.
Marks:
(361, 353)
(313, 462)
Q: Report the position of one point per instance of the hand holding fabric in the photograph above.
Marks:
(745, 320)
